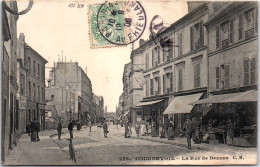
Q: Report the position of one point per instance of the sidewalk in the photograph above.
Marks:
(44, 152)
(182, 142)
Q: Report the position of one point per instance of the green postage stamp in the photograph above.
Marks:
(116, 23)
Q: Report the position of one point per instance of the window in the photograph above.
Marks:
(39, 93)
(159, 85)
(156, 56)
(29, 65)
(171, 81)
(151, 87)
(246, 72)
(180, 79)
(22, 85)
(196, 36)
(29, 89)
(34, 68)
(197, 75)
(38, 70)
(217, 37)
(164, 83)
(43, 73)
(224, 35)
(249, 71)
(240, 27)
(147, 61)
(217, 77)
(231, 30)
(43, 96)
(34, 91)
(180, 44)
(249, 26)
(167, 50)
(226, 76)
(147, 88)
(253, 71)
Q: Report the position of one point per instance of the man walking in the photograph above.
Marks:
(38, 127)
(105, 127)
(59, 129)
(70, 128)
(188, 130)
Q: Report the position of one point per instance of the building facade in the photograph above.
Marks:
(232, 57)
(136, 83)
(70, 76)
(31, 76)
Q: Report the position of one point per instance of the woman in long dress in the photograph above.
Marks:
(230, 132)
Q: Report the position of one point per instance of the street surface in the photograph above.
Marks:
(93, 149)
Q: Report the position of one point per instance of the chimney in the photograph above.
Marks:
(193, 5)
(141, 42)
(22, 37)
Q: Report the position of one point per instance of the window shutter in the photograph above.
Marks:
(180, 44)
(201, 35)
(153, 58)
(158, 53)
(180, 80)
(246, 72)
(252, 71)
(191, 39)
(151, 86)
(159, 85)
(164, 86)
(226, 74)
(217, 77)
(196, 75)
(217, 37)
(231, 30)
(171, 81)
(240, 28)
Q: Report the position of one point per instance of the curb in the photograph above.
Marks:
(168, 142)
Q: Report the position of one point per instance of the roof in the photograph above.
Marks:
(226, 11)
(36, 53)
(184, 18)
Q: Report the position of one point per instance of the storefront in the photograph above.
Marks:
(231, 118)
(152, 114)
(178, 109)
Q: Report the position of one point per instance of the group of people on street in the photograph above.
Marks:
(33, 129)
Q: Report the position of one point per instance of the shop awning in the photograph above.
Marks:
(140, 104)
(181, 104)
(223, 98)
(249, 96)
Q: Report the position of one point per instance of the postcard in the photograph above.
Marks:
(105, 82)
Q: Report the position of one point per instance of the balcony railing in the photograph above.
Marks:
(249, 33)
(224, 43)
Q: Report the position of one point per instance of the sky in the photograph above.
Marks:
(51, 27)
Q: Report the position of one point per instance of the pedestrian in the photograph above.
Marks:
(38, 128)
(196, 125)
(70, 128)
(170, 130)
(105, 129)
(230, 132)
(28, 128)
(137, 128)
(90, 126)
(33, 131)
(188, 130)
(59, 129)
